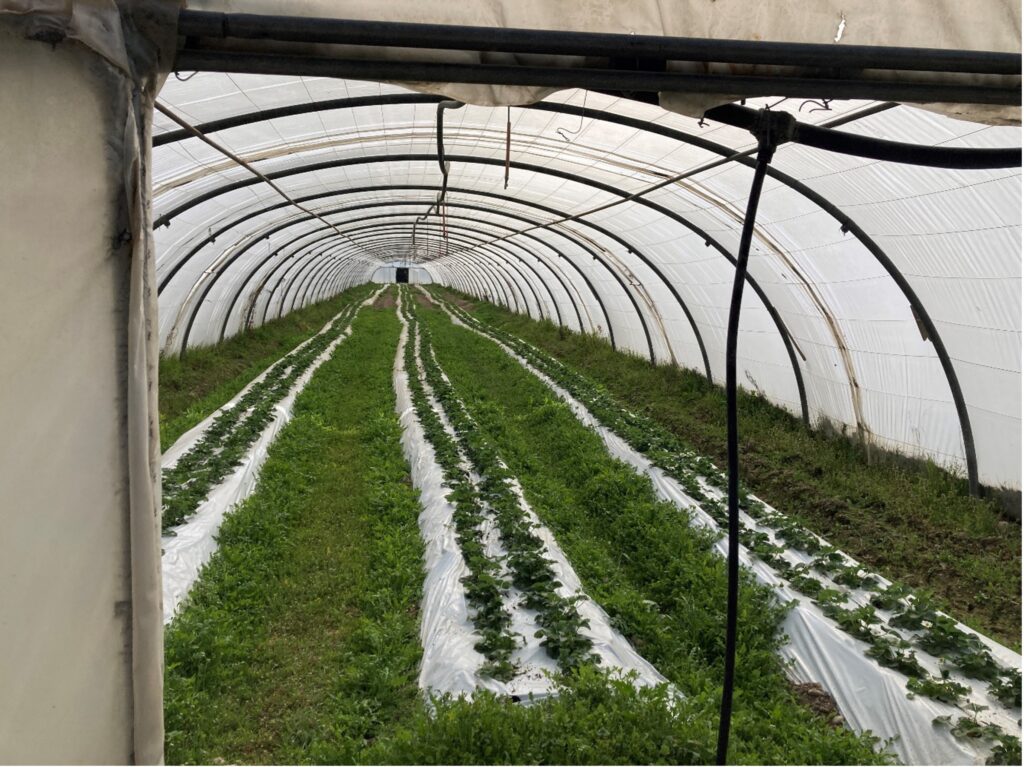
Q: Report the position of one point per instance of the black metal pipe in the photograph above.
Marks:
(302, 281)
(331, 284)
(201, 24)
(740, 86)
(337, 267)
(953, 158)
(382, 99)
(286, 264)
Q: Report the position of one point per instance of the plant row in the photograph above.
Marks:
(491, 495)
(228, 438)
(827, 579)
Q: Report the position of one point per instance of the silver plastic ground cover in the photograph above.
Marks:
(450, 662)
(191, 544)
(871, 697)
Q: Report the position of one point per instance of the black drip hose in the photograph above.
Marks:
(958, 158)
(770, 129)
(443, 163)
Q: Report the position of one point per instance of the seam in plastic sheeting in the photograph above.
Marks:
(450, 662)
(869, 696)
(191, 544)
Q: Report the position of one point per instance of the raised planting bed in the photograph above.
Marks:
(299, 643)
(955, 666)
(196, 384)
(507, 572)
(911, 522)
(216, 465)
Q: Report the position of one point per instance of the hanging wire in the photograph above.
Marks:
(562, 131)
(824, 105)
(186, 79)
(508, 142)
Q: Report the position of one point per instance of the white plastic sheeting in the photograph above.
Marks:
(81, 644)
(189, 546)
(954, 235)
(869, 696)
(450, 663)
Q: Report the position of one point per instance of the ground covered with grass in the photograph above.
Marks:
(910, 521)
(655, 575)
(193, 386)
(300, 640)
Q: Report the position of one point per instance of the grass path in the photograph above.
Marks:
(300, 640)
(911, 522)
(657, 577)
(193, 386)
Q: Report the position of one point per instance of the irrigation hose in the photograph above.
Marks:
(770, 129)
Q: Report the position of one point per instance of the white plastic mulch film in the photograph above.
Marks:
(451, 664)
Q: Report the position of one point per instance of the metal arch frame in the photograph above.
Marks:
(463, 237)
(505, 275)
(231, 260)
(611, 331)
(503, 282)
(631, 248)
(335, 286)
(558, 277)
(326, 288)
(328, 284)
(295, 220)
(286, 265)
(500, 273)
(212, 237)
(500, 251)
(846, 223)
(783, 332)
(298, 280)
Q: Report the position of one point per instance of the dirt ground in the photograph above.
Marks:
(386, 300)
(424, 300)
(812, 695)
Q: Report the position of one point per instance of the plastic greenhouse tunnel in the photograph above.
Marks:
(620, 382)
